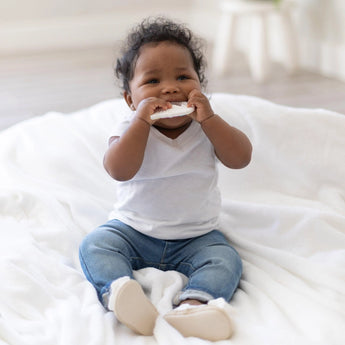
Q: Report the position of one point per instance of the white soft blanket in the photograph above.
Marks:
(285, 214)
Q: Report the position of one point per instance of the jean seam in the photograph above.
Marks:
(187, 264)
(87, 269)
(148, 263)
(164, 253)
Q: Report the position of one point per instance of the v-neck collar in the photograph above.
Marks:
(188, 133)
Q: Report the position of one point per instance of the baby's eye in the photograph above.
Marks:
(182, 77)
(153, 81)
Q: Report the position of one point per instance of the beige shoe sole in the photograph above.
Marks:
(134, 309)
(205, 322)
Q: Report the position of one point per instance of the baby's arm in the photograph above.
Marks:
(125, 154)
(232, 146)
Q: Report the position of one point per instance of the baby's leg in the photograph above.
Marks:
(106, 256)
(213, 267)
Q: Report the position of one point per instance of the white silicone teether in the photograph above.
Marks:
(177, 109)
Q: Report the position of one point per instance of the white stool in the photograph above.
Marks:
(258, 52)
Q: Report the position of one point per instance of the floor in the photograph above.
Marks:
(71, 80)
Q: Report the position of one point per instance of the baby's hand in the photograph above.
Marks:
(202, 106)
(149, 106)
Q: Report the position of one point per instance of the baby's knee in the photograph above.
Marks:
(104, 241)
(234, 259)
(228, 259)
(92, 241)
(85, 246)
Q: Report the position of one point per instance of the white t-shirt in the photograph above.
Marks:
(174, 195)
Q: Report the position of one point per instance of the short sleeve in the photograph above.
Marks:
(121, 126)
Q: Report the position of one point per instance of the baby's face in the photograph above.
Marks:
(164, 70)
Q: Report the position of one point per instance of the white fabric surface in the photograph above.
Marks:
(285, 214)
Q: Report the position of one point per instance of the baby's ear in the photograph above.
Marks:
(128, 99)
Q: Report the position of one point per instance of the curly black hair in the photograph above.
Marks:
(157, 30)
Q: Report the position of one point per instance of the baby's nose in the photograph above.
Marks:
(170, 87)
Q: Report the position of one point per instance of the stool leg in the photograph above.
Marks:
(290, 43)
(224, 44)
(258, 55)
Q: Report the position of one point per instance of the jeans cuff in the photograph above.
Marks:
(192, 294)
(105, 298)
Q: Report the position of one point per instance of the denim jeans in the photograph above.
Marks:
(115, 249)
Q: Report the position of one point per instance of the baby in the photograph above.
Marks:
(168, 205)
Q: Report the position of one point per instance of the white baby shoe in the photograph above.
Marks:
(208, 321)
(131, 306)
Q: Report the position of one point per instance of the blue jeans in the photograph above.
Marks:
(115, 249)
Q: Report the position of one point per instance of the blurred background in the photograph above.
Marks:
(58, 55)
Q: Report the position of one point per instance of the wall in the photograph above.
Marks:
(321, 28)
(40, 25)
